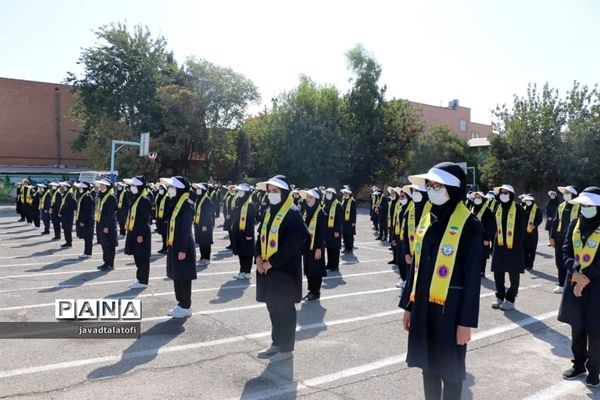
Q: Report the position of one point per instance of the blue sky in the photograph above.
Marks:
(480, 52)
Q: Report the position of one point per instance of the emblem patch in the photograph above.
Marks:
(442, 271)
(447, 250)
(591, 244)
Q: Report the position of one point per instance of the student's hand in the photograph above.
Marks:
(408, 259)
(336, 235)
(578, 290)
(140, 239)
(204, 229)
(81, 224)
(105, 230)
(486, 242)
(353, 225)
(181, 256)
(267, 266)
(406, 320)
(318, 254)
(249, 238)
(393, 243)
(463, 335)
(553, 243)
(580, 279)
(259, 265)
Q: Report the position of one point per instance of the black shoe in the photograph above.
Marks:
(306, 297)
(228, 247)
(55, 238)
(101, 266)
(45, 233)
(66, 245)
(573, 373)
(313, 297)
(378, 238)
(107, 268)
(392, 262)
(21, 220)
(592, 381)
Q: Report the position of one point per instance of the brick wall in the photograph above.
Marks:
(434, 115)
(28, 124)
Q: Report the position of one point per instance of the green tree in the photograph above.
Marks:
(438, 145)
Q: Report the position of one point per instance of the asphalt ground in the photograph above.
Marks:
(350, 344)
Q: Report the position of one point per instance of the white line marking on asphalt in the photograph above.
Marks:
(555, 391)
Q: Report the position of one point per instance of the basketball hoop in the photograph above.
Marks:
(152, 157)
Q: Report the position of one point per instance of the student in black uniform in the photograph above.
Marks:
(282, 238)
(550, 209)
(565, 213)
(26, 200)
(534, 219)
(84, 218)
(580, 305)
(314, 252)
(243, 220)
(335, 227)
(106, 223)
(161, 215)
(509, 253)
(229, 204)
(137, 225)
(441, 297)
(203, 221)
(55, 203)
(481, 209)
(181, 256)
(409, 216)
(396, 209)
(36, 195)
(123, 204)
(18, 203)
(373, 201)
(45, 206)
(66, 212)
(349, 229)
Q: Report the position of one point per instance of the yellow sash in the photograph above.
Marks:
(585, 253)
(312, 226)
(373, 201)
(397, 224)
(64, 199)
(481, 211)
(510, 226)
(446, 258)
(54, 194)
(43, 199)
(331, 214)
(412, 225)
(272, 238)
(133, 211)
(531, 222)
(197, 215)
(79, 203)
(184, 197)
(574, 214)
(244, 213)
(28, 197)
(389, 211)
(348, 209)
(161, 206)
(110, 192)
(121, 197)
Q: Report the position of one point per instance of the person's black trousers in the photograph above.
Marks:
(245, 264)
(513, 290)
(56, 226)
(108, 255)
(314, 285)
(36, 218)
(205, 253)
(333, 258)
(69, 236)
(434, 390)
(164, 241)
(46, 221)
(283, 325)
(183, 293)
(586, 351)
(88, 243)
(348, 239)
(143, 269)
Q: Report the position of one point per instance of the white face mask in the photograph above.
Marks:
(310, 201)
(198, 191)
(161, 191)
(80, 190)
(568, 196)
(134, 189)
(103, 189)
(329, 196)
(529, 203)
(589, 212)
(504, 198)
(240, 194)
(438, 197)
(552, 196)
(478, 201)
(403, 201)
(393, 196)
(172, 192)
(274, 198)
(417, 197)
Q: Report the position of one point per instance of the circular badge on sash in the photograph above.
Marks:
(273, 244)
(447, 250)
(273, 229)
(577, 243)
(442, 271)
(591, 243)
(587, 258)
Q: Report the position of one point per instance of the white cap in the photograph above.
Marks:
(331, 190)
(54, 184)
(505, 187)
(436, 175)
(567, 189)
(199, 186)
(41, 185)
(103, 182)
(244, 187)
(81, 185)
(136, 181)
(65, 183)
(274, 181)
(587, 199)
(479, 193)
(314, 193)
(346, 190)
(527, 197)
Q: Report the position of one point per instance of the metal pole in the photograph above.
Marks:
(112, 157)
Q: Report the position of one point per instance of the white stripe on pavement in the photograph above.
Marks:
(555, 391)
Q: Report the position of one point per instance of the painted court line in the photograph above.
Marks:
(560, 389)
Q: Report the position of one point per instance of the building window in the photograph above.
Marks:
(475, 135)
(462, 125)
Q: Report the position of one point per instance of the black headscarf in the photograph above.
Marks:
(456, 194)
(181, 191)
(587, 226)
